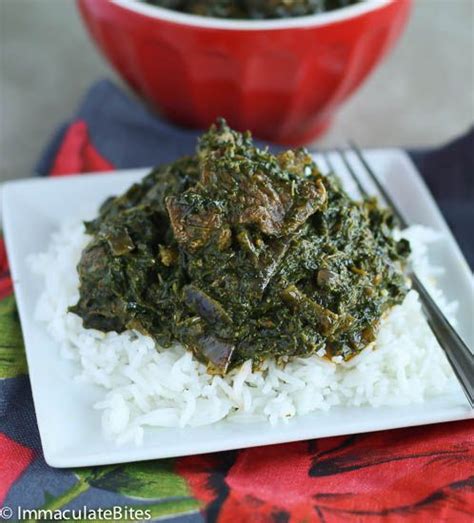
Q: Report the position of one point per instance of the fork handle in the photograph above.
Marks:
(459, 356)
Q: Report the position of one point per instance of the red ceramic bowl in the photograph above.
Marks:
(282, 79)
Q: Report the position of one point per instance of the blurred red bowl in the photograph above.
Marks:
(283, 79)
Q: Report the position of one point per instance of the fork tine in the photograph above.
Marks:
(328, 161)
(353, 174)
(356, 149)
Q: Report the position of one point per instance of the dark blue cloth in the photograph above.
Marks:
(449, 173)
(128, 135)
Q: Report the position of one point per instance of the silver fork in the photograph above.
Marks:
(458, 353)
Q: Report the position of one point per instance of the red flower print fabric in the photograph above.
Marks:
(421, 474)
(77, 154)
(5, 280)
(14, 459)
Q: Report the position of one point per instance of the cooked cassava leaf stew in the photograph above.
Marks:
(241, 254)
(253, 9)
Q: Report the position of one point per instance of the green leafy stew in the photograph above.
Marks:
(241, 254)
(253, 9)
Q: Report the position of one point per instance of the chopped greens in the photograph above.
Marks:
(254, 9)
(241, 254)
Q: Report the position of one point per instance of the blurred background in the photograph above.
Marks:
(421, 95)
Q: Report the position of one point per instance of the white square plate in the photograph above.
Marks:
(71, 430)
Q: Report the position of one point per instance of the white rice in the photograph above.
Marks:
(145, 385)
